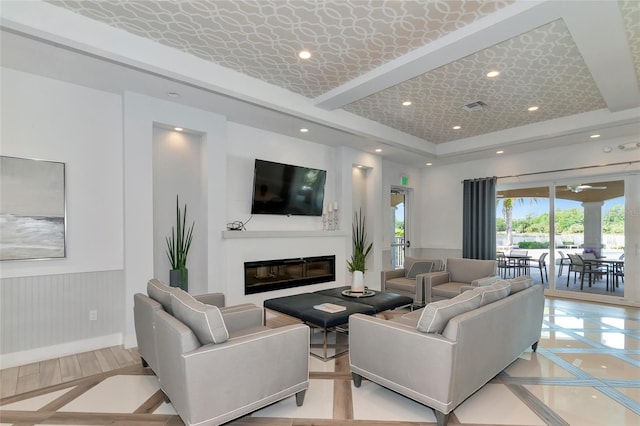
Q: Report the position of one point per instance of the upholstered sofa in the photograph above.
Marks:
(408, 281)
(441, 354)
(458, 273)
(211, 361)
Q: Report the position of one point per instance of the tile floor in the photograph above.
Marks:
(586, 372)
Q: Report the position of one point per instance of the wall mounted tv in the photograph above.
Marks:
(284, 189)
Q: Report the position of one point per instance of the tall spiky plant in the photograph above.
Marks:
(180, 240)
(360, 247)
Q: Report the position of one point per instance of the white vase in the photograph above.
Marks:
(357, 284)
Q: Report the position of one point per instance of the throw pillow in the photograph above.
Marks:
(419, 267)
(436, 315)
(520, 283)
(205, 321)
(493, 292)
(161, 293)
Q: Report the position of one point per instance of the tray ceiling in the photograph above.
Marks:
(370, 56)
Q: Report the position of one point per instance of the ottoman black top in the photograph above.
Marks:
(379, 301)
(302, 306)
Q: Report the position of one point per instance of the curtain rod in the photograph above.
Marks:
(570, 169)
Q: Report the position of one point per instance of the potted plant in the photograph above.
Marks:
(178, 245)
(361, 250)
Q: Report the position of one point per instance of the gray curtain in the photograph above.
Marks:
(479, 218)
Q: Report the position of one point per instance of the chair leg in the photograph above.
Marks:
(357, 379)
(441, 418)
(300, 397)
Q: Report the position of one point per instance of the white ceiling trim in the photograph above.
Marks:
(602, 41)
(564, 127)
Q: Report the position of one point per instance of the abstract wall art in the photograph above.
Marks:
(32, 209)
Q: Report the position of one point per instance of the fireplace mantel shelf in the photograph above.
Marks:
(281, 234)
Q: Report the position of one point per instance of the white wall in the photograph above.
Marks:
(46, 303)
(442, 191)
(177, 170)
(245, 144)
(141, 113)
(51, 120)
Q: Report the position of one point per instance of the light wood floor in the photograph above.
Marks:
(25, 378)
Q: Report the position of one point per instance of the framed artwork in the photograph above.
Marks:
(32, 209)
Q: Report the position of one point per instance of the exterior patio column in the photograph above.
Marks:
(593, 226)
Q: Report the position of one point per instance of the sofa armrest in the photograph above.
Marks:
(431, 280)
(388, 275)
(214, 299)
(237, 369)
(377, 349)
(242, 317)
(484, 281)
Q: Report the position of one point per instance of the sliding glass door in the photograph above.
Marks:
(572, 234)
(589, 237)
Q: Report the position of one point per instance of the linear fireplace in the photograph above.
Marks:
(268, 275)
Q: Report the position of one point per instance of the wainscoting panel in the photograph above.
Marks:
(48, 310)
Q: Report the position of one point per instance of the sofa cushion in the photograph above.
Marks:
(419, 267)
(520, 283)
(493, 292)
(437, 266)
(161, 293)
(205, 321)
(448, 290)
(435, 315)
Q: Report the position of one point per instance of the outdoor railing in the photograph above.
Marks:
(397, 252)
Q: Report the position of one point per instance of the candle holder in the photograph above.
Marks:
(336, 218)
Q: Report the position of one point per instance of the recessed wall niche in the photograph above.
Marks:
(178, 171)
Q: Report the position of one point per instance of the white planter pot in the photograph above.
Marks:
(357, 284)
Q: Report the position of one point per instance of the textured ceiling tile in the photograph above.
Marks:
(262, 38)
(542, 67)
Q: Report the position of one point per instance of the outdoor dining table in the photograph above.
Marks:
(519, 262)
(612, 267)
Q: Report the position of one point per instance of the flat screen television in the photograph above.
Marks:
(284, 189)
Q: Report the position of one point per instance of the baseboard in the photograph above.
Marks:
(56, 351)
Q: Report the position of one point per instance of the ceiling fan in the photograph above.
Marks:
(580, 188)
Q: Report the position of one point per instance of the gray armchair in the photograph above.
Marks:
(459, 274)
(159, 298)
(213, 380)
(408, 280)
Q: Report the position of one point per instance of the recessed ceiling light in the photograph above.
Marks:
(173, 94)
(491, 74)
(429, 164)
(532, 108)
(378, 149)
(500, 152)
(406, 103)
(607, 149)
(304, 54)
(594, 136)
(178, 129)
(304, 130)
(456, 127)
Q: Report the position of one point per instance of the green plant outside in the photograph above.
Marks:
(361, 248)
(179, 242)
